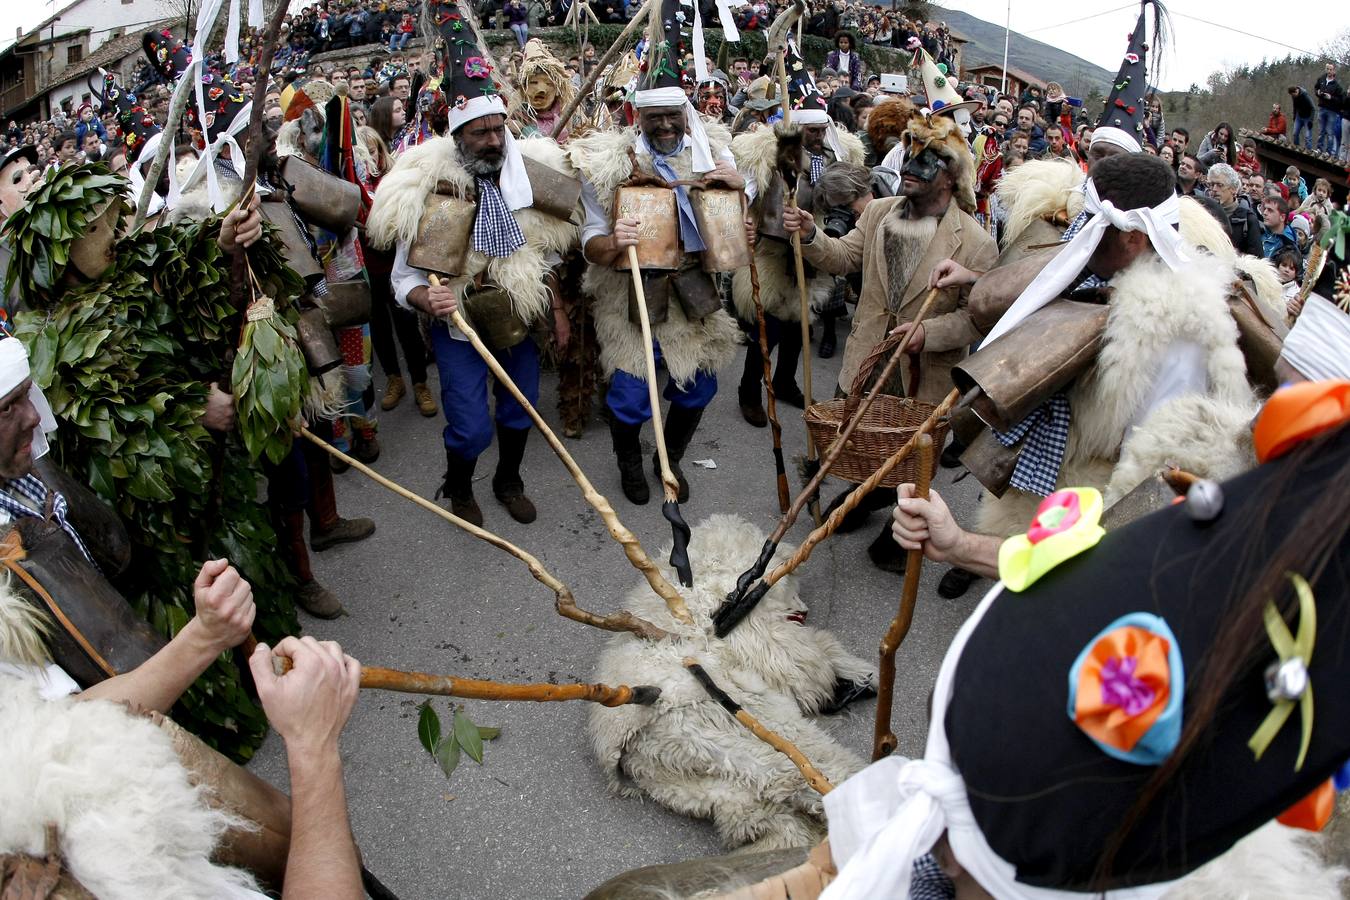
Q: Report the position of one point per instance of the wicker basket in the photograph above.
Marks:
(887, 426)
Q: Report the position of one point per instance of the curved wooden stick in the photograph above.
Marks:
(631, 548)
(744, 598)
(784, 497)
(599, 67)
(724, 618)
(818, 782)
(378, 678)
(832, 523)
(679, 552)
(883, 739)
(565, 603)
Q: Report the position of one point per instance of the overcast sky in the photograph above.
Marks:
(1197, 49)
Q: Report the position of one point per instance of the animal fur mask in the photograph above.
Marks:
(943, 137)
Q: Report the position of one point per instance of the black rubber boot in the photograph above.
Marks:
(628, 451)
(885, 553)
(458, 486)
(829, 338)
(507, 485)
(751, 389)
(785, 388)
(681, 424)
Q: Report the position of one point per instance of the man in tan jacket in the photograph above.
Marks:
(896, 244)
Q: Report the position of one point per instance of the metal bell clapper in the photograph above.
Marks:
(1286, 680)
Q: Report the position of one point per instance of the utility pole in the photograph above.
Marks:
(1007, 34)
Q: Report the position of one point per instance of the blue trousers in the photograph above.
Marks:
(627, 397)
(1328, 130)
(464, 375)
(1304, 126)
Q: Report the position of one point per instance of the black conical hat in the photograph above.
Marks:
(1125, 106)
(467, 80)
(808, 103)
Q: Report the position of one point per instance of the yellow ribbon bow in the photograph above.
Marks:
(1288, 680)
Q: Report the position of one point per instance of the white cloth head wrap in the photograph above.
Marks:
(1319, 343)
(892, 812)
(1158, 221)
(136, 173)
(13, 371)
(1109, 134)
(698, 135)
(821, 117)
(513, 182)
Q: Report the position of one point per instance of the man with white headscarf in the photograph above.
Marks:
(1168, 384)
(674, 144)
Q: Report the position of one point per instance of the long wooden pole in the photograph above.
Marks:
(784, 496)
(883, 738)
(617, 530)
(614, 50)
(748, 593)
(679, 551)
(723, 617)
(814, 777)
(565, 603)
(378, 678)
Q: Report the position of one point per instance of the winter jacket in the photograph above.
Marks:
(854, 67)
(1329, 93)
(1245, 227)
(1303, 105)
(1277, 125)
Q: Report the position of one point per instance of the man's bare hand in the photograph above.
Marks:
(725, 173)
(242, 227)
(224, 603)
(562, 329)
(219, 414)
(626, 233)
(435, 300)
(916, 336)
(796, 219)
(310, 704)
(949, 272)
(751, 232)
(925, 525)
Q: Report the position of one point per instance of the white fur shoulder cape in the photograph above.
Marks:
(130, 824)
(1208, 434)
(400, 199)
(688, 346)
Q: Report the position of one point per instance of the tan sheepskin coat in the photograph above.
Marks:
(399, 201)
(755, 152)
(949, 328)
(689, 346)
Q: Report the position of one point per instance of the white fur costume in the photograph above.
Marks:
(707, 344)
(756, 154)
(1151, 307)
(130, 824)
(399, 202)
(686, 751)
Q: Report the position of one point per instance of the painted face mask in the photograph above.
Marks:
(925, 166)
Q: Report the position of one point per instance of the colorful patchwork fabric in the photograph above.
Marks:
(1066, 524)
(1126, 689)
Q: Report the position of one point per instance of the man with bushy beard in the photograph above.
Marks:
(504, 284)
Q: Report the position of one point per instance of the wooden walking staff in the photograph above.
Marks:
(883, 739)
(742, 600)
(377, 678)
(784, 497)
(565, 603)
(617, 530)
(734, 607)
(609, 56)
(679, 530)
(818, 782)
(790, 168)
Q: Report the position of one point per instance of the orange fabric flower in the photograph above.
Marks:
(1123, 686)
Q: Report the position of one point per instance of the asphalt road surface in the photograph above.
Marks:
(535, 820)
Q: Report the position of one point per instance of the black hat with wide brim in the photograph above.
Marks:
(1045, 797)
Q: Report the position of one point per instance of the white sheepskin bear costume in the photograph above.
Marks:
(685, 751)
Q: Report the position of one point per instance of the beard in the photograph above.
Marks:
(484, 165)
(664, 145)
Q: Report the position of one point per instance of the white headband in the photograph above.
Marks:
(1069, 263)
(13, 370)
(1319, 343)
(892, 812)
(1109, 134)
(698, 135)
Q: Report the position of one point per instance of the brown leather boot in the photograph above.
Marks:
(394, 391)
(458, 486)
(318, 601)
(507, 485)
(426, 404)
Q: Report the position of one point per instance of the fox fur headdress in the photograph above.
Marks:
(944, 135)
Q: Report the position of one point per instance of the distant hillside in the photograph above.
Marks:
(1076, 75)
